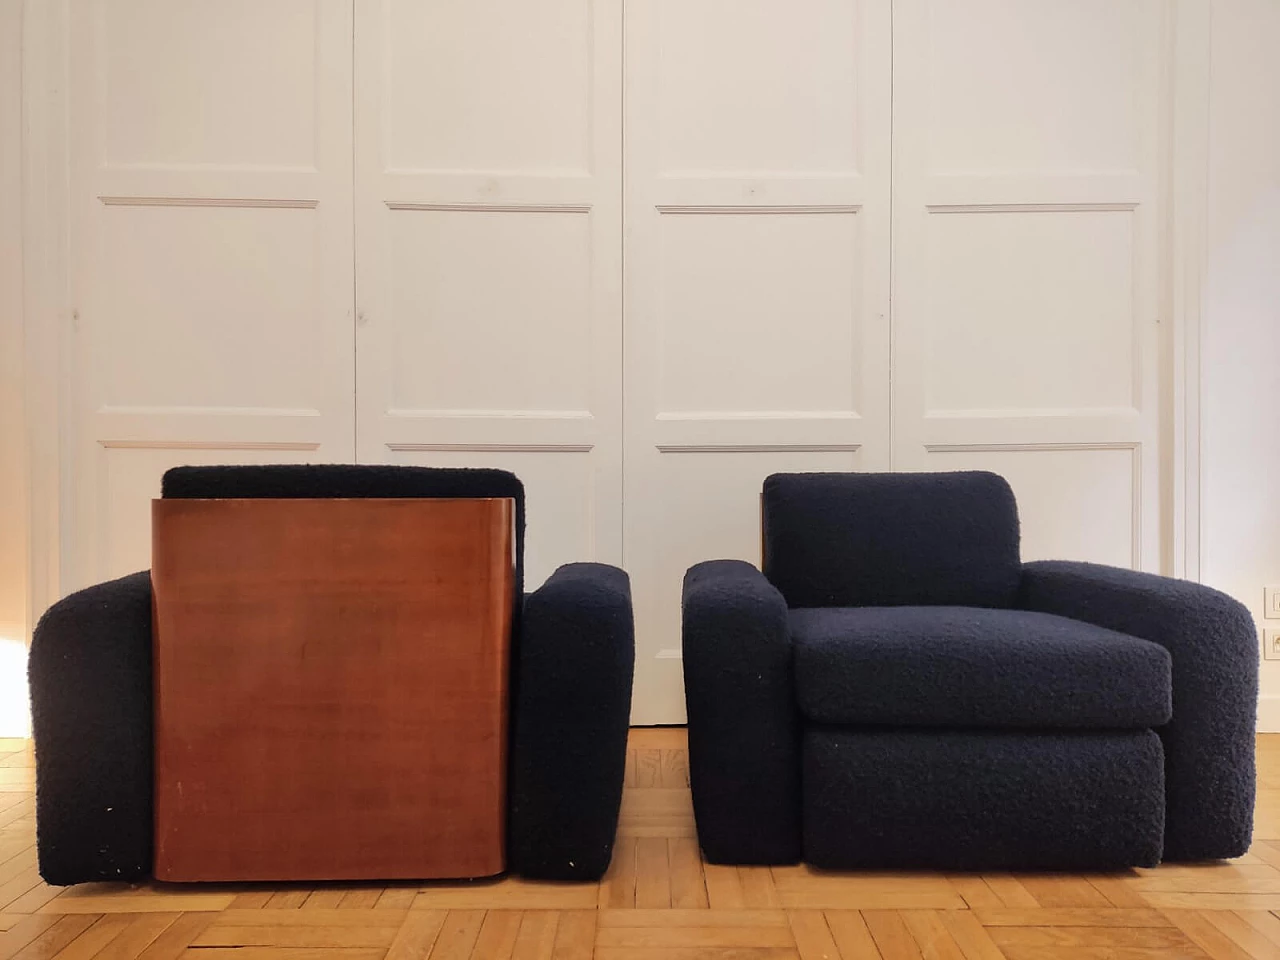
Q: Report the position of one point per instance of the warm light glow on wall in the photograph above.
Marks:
(15, 705)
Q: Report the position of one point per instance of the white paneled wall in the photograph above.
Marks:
(13, 441)
(1027, 168)
(641, 254)
(757, 294)
(211, 271)
(488, 253)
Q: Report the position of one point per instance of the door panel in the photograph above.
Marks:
(757, 202)
(488, 253)
(1025, 251)
(211, 258)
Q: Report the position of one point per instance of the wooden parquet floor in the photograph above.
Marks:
(659, 902)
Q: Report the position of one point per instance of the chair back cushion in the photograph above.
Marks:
(891, 539)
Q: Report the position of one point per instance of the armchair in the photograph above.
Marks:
(572, 660)
(897, 690)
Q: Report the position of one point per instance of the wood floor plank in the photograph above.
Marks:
(1115, 891)
(22, 933)
(758, 889)
(1212, 901)
(970, 935)
(55, 939)
(1244, 935)
(141, 932)
(675, 769)
(695, 953)
(1072, 917)
(835, 891)
(653, 876)
(1268, 924)
(648, 768)
(511, 894)
(158, 903)
(288, 899)
(893, 938)
(618, 890)
(416, 935)
(1095, 943)
(813, 937)
(974, 890)
(1063, 891)
(294, 935)
(104, 929)
(724, 887)
(688, 887)
(537, 937)
(365, 898)
(736, 935)
(323, 917)
(853, 939)
(498, 934)
(458, 935)
(252, 899)
(324, 899)
(175, 939)
(397, 898)
(931, 935)
(1010, 891)
(279, 953)
(576, 935)
(692, 918)
(1212, 941)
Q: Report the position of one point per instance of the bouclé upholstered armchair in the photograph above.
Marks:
(897, 689)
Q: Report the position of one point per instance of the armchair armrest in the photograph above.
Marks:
(90, 673)
(744, 731)
(572, 709)
(1209, 743)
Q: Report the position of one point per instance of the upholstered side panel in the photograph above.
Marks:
(90, 673)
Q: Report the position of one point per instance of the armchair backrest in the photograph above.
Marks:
(891, 539)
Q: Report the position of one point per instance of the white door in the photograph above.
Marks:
(210, 252)
(488, 253)
(757, 280)
(1026, 260)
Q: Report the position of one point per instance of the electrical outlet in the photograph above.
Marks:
(1271, 643)
(1271, 602)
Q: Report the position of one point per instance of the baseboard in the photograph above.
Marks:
(1269, 714)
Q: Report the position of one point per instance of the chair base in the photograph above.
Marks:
(982, 800)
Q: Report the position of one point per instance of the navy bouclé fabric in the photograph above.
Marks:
(891, 539)
(974, 667)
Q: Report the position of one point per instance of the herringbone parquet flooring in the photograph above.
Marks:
(659, 902)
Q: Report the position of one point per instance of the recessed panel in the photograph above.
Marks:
(1033, 85)
(1074, 504)
(768, 85)
(560, 500)
(229, 83)
(759, 312)
(128, 480)
(488, 85)
(1030, 311)
(207, 307)
(490, 310)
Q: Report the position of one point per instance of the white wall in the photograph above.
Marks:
(1240, 519)
(13, 543)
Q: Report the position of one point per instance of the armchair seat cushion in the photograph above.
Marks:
(975, 668)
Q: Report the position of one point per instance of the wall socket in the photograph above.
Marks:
(1271, 643)
(1271, 602)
